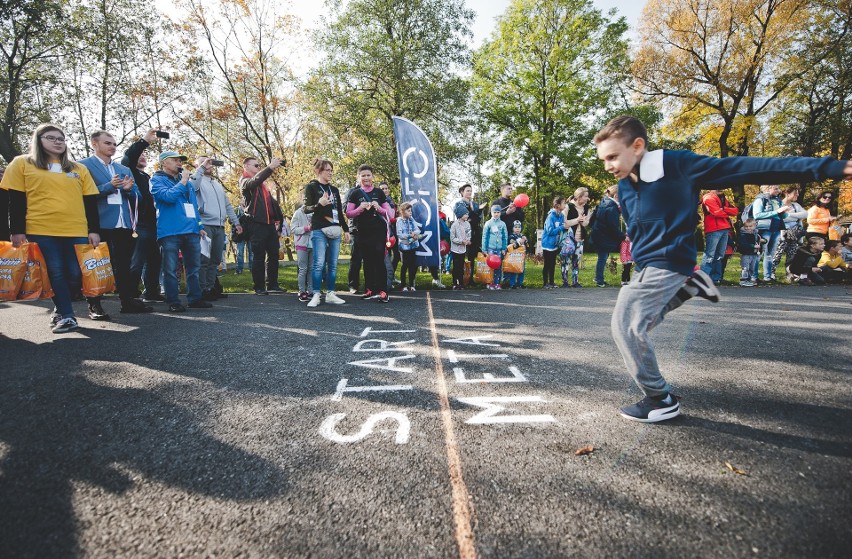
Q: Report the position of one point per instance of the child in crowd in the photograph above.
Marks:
(554, 225)
(750, 250)
(300, 225)
(459, 241)
(495, 239)
(834, 269)
(805, 262)
(846, 248)
(407, 234)
(517, 240)
(658, 191)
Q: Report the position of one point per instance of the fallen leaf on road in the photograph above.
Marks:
(585, 450)
(735, 470)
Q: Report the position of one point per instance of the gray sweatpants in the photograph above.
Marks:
(209, 266)
(642, 304)
(304, 261)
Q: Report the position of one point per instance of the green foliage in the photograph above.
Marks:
(32, 34)
(386, 58)
(538, 83)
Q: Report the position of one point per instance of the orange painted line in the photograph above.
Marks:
(462, 506)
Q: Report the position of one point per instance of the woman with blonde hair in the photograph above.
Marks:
(577, 218)
(53, 202)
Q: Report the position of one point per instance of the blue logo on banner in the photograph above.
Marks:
(419, 184)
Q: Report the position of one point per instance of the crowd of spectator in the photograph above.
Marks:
(175, 220)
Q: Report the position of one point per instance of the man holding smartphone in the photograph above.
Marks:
(146, 254)
(213, 207)
(262, 211)
(118, 207)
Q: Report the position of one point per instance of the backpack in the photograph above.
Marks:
(567, 244)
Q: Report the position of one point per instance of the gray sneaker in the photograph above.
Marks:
(65, 325)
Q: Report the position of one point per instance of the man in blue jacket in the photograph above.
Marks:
(658, 191)
(118, 208)
(178, 229)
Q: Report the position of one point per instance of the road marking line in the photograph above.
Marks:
(461, 498)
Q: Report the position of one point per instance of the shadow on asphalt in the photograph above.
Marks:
(57, 429)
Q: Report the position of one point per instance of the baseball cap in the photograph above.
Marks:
(171, 154)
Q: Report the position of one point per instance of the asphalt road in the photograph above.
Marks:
(442, 425)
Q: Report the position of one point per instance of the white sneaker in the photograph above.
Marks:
(437, 283)
(315, 300)
(331, 297)
(700, 284)
(404, 289)
(412, 288)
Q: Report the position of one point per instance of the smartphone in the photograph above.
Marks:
(165, 135)
(218, 163)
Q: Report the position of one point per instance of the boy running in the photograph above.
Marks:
(659, 193)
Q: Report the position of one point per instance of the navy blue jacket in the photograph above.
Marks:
(660, 208)
(606, 231)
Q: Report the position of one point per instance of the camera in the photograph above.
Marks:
(164, 135)
(218, 163)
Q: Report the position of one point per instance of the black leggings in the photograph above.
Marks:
(549, 266)
(458, 269)
(372, 248)
(409, 264)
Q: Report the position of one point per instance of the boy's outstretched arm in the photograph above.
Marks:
(729, 171)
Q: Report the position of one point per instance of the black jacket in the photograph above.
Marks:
(606, 229)
(321, 216)
(147, 210)
(508, 219)
(255, 202)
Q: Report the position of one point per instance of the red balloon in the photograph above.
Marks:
(521, 200)
(390, 242)
(445, 248)
(493, 261)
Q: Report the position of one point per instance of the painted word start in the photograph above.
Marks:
(398, 361)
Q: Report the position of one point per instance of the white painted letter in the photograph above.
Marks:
(472, 340)
(342, 388)
(492, 406)
(456, 357)
(383, 345)
(388, 364)
(328, 429)
(488, 377)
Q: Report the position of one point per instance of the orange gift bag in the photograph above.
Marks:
(13, 267)
(97, 269)
(483, 272)
(513, 263)
(36, 283)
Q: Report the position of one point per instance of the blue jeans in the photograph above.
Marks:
(772, 239)
(601, 266)
(241, 251)
(190, 245)
(326, 251)
(498, 272)
(62, 268)
(715, 244)
(515, 279)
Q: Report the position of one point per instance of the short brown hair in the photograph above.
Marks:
(462, 187)
(98, 133)
(320, 164)
(247, 159)
(365, 167)
(405, 206)
(625, 127)
(558, 200)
